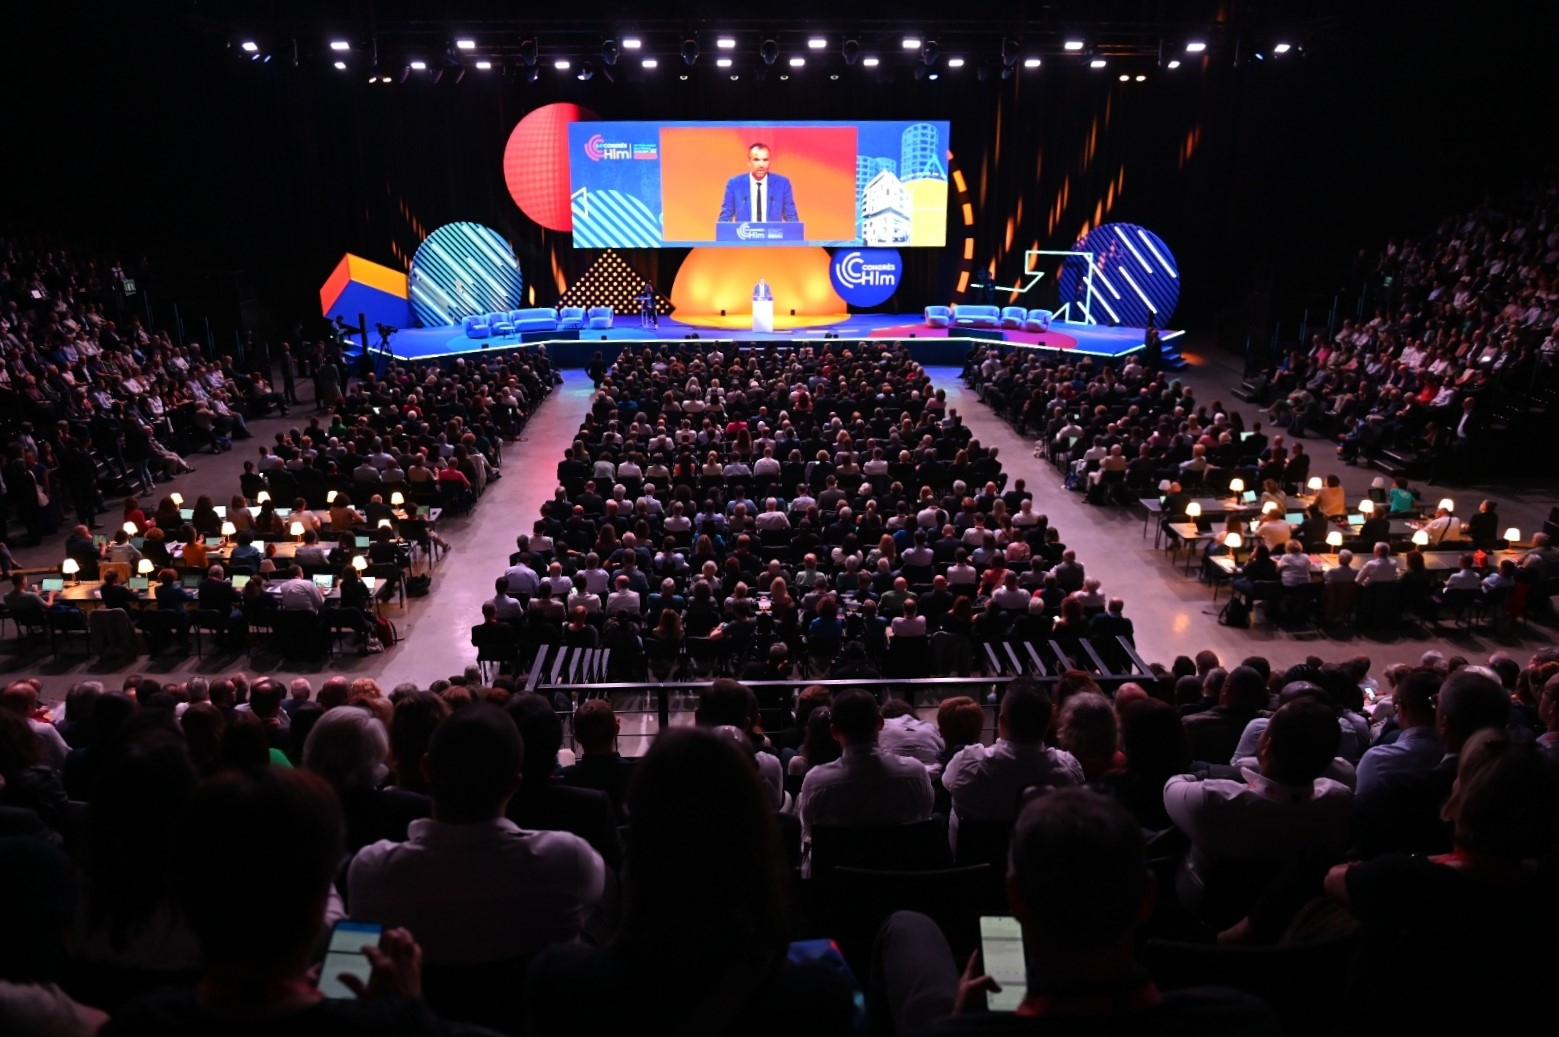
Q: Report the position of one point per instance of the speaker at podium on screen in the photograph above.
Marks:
(762, 306)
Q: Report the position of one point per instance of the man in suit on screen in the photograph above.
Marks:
(758, 195)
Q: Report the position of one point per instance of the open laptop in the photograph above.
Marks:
(371, 582)
(191, 581)
(186, 513)
(213, 543)
(139, 583)
(51, 583)
(1294, 518)
(239, 580)
(324, 581)
(1248, 497)
(1356, 520)
(363, 542)
(99, 540)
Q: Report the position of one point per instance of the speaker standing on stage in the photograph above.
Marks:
(758, 195)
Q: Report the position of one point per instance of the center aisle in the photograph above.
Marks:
(483, 542)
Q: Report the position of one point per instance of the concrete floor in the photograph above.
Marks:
(1172, 612)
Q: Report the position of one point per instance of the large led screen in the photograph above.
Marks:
(654, 184)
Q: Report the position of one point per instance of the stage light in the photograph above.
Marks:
(249, 46)
(1173, 64)
(1097, 63)
(1142, 79)
(419, 66)
(816, 43)
(955, 62)
(726, 43)
(832, 75)
(683, 77)
(650, 63)
(689, 50)
(485, 66)
(632, 43)
(466, 44)
(1282, 48)
(912, 43)
(722, 62)
(561, 64)
(1195, 47)
(1073, 45)
(768, 51)
(528, 52)
(797, 62)
(784, 77)
(734, 77)
(851, 51)
(341, 65)
(339, 45)
(871, 62)
(1031, 62)
(1125, 78)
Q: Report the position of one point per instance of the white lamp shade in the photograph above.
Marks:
(1194, 510)
(228, 529)
(1315, 483)
(359, 563)
(384, 523)
(330, 498)
(177, 499)
(1421, 538)
(1448, 504)
(296, 529)
(1334, 539)
(145, 567)
(1164, 485)
(1513, 534)
(1236, 485)
(1366, 507)
(131, 528)
(397, 499)
(1233, 541)
(263, 496)
(70, 567)
(1269, 507)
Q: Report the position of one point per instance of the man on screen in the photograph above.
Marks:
(758, 195)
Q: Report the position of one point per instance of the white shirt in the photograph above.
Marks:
(1464, 580)
(50, 742)
(1378, 570)
(1275, 532)
(865, 786)
(1254, 820)
(480, 892)
(987, 781)
(623, 601)
(772, 520)
(301, 595)
(912, 738)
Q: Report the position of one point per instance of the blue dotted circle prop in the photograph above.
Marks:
(463, 269)
(1135, 277)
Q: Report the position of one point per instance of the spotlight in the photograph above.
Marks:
(484, 66)
(465, 44)
(955, 62)
(722, 62)
(768, 51)
(609, 52)
(1073, 45)
(632, 43)
(250, 46)
(418, 66)
(851, 51)
(1173, 64)
(834, 76)
(340, 45)
(1031, 62)
(528, 52)
(912, 43)
(341, 65)
(1195, 47)
(689, 50)
(1142, 79)
(561, 64)
(1097, 63)
(1125, 78)
(816, 43)
(797, 62)
(871, 62)
(726, 43)
(1281, 48)
(650, 63)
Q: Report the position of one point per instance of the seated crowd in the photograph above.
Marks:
(1402, 827)
(803, 499)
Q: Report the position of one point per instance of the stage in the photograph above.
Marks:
(930, 345)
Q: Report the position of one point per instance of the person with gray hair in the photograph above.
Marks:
(298, 692)
(1343, 571)
(349, 747)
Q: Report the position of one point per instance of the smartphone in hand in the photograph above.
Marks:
(345, 953)
(1001, 952)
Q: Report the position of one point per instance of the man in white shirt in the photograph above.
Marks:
(865, 786)
(21, 698)
(1275, 532)
(297, 594)
(473, 886)
(623, 599)
(522, 578)
(1380, 569)
(1343, 571)
(767, 466)
(771, 518)
(987, 782)
(904, 734)
(1466, 578)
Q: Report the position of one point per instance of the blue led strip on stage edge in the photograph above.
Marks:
(463, 269)
(1134, 266)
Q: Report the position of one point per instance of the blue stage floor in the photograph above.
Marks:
(415, 344)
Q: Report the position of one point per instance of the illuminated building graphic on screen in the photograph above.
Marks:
(885, 211)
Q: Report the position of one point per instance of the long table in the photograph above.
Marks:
(1434, 562)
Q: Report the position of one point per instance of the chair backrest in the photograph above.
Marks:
(1016, 313)
(499, 317)
(921, 846)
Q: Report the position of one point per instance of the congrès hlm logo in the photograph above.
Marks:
(866, 276)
